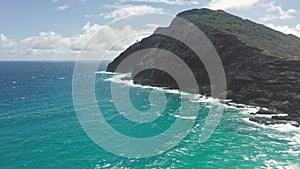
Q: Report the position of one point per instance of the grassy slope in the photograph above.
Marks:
(270, 41)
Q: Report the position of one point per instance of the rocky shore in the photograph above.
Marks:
(256, 71)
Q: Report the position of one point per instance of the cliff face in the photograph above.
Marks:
(256, 71)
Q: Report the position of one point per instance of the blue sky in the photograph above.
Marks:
(58, 29)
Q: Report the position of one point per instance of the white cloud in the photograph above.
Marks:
(286, 29)
(154, 26)
(276, 12)
(126, 10)
(94, 15)
(63, 7)
(231, 4)
(169, 2)
(5, 42)
(53, 46)
(194, 2)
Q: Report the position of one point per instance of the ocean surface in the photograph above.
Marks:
(39, 127)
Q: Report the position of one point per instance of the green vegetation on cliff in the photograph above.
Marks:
(271, 42)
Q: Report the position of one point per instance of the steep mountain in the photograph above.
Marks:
(262, 66)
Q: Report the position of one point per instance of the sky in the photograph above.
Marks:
(63, 29)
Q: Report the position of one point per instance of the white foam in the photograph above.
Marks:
(285, 128)
(246, 158)
(118, 78)
(61, 78)
(279, 127)
(249, 110)
(293, 152)
(270, 164)
(200, 99)
(236, 104)
(20, 98)
(286, 132)
(282, 114)
(108, 73)
(270, 115)
(295, 140)
(106, 165)
(185, 117)
(254, 158)
(121, 78)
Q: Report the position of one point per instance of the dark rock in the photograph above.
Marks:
(295, 121)
(266, 121)
(267, 112)
(275, 120)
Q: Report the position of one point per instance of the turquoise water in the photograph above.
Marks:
(39, 127)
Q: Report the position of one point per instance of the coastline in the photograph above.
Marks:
(259, 115)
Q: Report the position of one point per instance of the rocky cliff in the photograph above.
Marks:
(262, 65)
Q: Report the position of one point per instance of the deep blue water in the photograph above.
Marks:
(39, 127)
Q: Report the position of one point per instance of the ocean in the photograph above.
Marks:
(39, 127)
